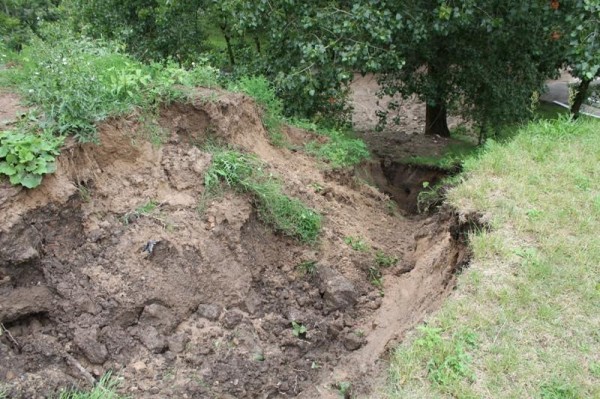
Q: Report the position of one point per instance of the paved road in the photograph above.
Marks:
(558, 93)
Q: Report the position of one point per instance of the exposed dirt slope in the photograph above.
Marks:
(208, 313)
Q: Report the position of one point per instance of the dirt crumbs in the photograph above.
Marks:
(111, 265)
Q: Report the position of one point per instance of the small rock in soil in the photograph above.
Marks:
(178, 342)
(209, 311)
(87, 341)
(152, 340)
(158, 316)
(232, 318)
(352, 341)
(338, 292)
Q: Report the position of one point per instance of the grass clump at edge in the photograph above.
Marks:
(339, 150)
(532, 292)
(246, 173)
(104, 389)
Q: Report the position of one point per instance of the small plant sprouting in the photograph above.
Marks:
(84, 192)
(258, 357)
(383, 260)
(375, 276)
(308, 267)
(359, 333)
(299, 330)
(143, 210)
(344, 389)
(357, 244)
(315, 366)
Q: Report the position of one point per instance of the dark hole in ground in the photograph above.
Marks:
(403, 181)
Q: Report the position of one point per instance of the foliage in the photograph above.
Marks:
(152, 30)
(246, 173)
(339, 150)
(375, 276)
(482, 60)
(384, 260)
(79, 82)
(20, 20)
(308, 267)
(534, 274)
(299, 330)
(26, 157)
(357, 244)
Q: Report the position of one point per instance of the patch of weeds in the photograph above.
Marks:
(448, 360)
(105, 388)
(77, 82)
(258, 357)
(25, 157)
(359, 333)
(299, 330)
(245, 173)
(344, 389)
(4, 391)
(356, 244)
(375, 276)
(339, 148)
(315, 366)
(152, 131)
(316, 187)
(307, 267)
(143, 210)
(84, 192)
(556, 389)
(383, 260)
(259, 88)
(595, 367)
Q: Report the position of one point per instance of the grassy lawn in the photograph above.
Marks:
(524, 321)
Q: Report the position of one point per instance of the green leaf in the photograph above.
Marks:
(31, 180)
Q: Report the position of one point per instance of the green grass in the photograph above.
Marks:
(460, 148)
(105, 389)
(246, 173)
(77, 82)
(259, 88)
(340, 148)
(532, 293)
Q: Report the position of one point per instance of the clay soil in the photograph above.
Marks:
(208, 312)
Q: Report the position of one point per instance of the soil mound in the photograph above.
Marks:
(111, 265)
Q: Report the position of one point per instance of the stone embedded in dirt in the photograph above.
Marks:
(338, 292)
(159, 316)
(209, 311)
(178, 342)
(21, 302)
(87, 341)
(20, 246)
(152, 339)
(232, 318)
(353, 341)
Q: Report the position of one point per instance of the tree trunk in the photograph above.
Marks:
(436, 120)
(580, 97)
(228, 41)
(257, 43)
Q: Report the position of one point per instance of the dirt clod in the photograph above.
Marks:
(87, 341)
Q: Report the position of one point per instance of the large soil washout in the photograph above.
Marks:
(209, 311)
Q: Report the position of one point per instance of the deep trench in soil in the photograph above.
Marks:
(210, 311)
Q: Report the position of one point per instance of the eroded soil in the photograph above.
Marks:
(208, 311)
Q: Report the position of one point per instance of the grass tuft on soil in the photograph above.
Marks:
(104, 389)
(524, 320)
(246, 173)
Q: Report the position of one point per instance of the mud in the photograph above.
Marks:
(208, 310)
